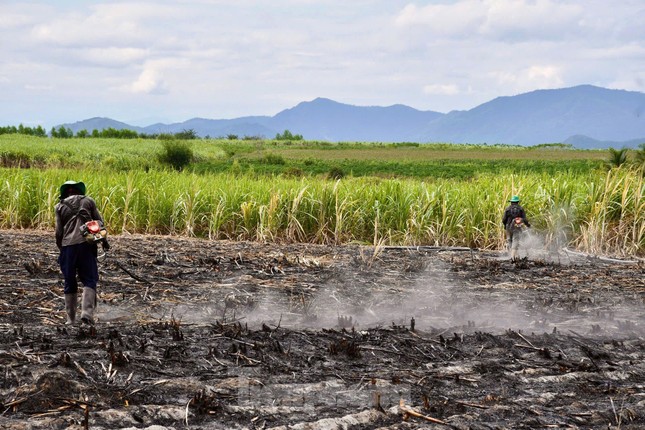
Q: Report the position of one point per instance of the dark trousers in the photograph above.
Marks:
(513, 236)
(79, 260)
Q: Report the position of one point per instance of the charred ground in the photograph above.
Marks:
(214, 334)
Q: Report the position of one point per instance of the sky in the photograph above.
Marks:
(143, 62)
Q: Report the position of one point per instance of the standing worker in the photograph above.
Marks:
(78, 256)
(515, 223)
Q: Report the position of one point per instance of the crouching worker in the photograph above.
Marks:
(78, 255)
(515, 223)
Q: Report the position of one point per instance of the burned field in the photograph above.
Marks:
(213, 334)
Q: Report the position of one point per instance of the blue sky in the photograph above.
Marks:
(144, 61)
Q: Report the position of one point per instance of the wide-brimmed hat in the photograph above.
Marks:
(78, 185)
(515, 199)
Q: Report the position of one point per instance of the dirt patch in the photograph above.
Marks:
(212, 334)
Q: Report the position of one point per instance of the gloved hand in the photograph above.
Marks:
(105, 245)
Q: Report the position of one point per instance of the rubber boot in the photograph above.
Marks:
(88, 305)
(70, 307)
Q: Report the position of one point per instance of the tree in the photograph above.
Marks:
(62, 132)
(40, 131)
(186, 134)
(640, 155)
(10, 129)
(617, 157)
(176, 154)
(287, 135)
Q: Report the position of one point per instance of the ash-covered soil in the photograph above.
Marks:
(195, 334)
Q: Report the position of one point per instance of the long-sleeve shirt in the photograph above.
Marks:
(508, 215)
(68, 221)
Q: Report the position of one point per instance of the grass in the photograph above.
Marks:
(602, 213)
(306, 158)
(259, 191)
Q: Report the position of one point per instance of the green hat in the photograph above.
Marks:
(515, 199)
(78, 185)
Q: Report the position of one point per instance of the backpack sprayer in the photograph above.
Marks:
(94, 231)
(518, 222)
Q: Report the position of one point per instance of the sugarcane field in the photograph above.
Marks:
(198, 334)
(322, 215)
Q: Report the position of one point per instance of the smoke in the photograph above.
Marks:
(431, 297)
(547, 244)
(439, 300)
(532, 246)
(431, 292)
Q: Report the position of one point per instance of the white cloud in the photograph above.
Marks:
(515, 20)
(536, 19)
(222, 59)
(449, 89)
(11, 20)
(113, 56)
(621, 52)
(38, 88)
(444, 19)
(533, 77)
(149, 82)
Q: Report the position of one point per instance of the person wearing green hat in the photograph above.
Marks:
(77, 257)
(515, 223)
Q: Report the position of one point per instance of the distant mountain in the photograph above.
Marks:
(324, 119)
(319, 119)
(586, 142)
(584, 116)
(245, 126)
(98, 123)
(546, 116)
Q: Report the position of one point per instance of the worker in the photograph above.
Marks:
(515, 224)
(78, 252)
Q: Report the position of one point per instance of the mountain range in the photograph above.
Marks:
(583, 116)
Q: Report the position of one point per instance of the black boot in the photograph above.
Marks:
(88, 305)
(70, 307)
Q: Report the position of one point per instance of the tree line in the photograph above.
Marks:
(124, 133)
(21, 129)
(110, 132)
(67, 133)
